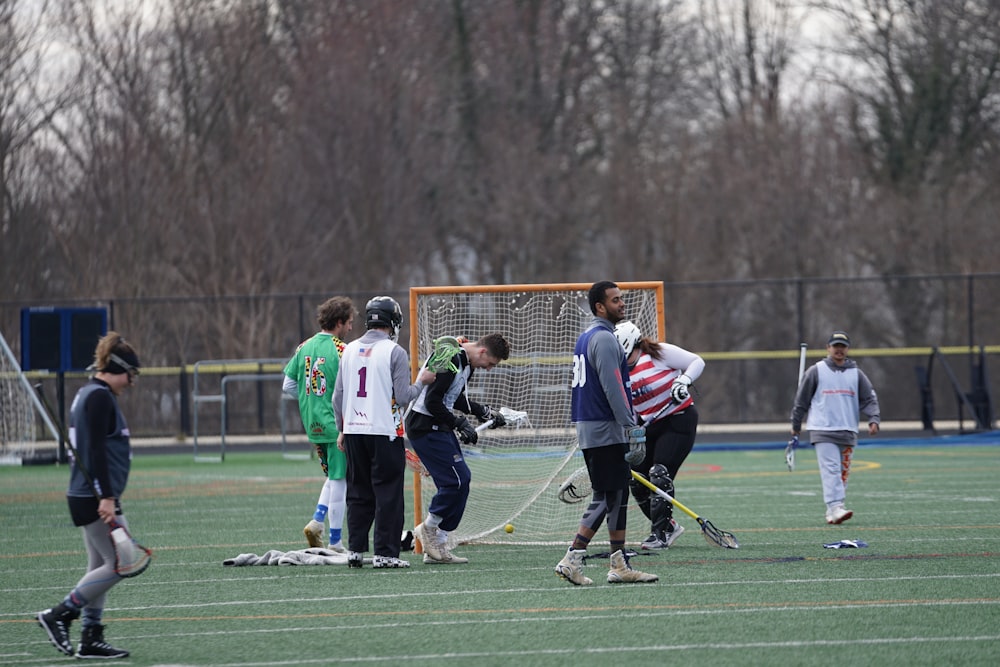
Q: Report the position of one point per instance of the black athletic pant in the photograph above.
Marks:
(376, 469)
(668, 442)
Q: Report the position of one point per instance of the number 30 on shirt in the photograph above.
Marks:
(579, 370)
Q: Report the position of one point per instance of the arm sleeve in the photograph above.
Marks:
(467, 405)
(686, 362)
(868, 399)
(404, 390)
(606, 353)
(338, 401)
(478, 409)
(803, 397)
(434, 399)
(101, 420)
(290, 387)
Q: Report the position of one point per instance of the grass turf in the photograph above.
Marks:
(926, 591)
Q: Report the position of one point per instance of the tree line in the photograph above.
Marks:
(209, 148)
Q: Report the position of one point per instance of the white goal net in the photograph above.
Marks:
(18, 409)
(517, 471)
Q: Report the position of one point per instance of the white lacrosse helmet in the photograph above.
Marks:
(628, 335)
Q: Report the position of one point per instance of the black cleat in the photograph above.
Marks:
(56, 622)
(92, 645)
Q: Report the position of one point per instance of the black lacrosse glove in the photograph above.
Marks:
(495, 415)
(466, 433)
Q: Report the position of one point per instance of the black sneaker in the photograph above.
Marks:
(406, 541)
(92, 645)
(56, 622)
(355, 559)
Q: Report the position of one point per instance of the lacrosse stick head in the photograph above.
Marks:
(718, 538)
(445, 348)
(576, 488)
(414, 463)
(790, 452)
(515, 418)
(131, 558)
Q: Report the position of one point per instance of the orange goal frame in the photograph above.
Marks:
(539, 287)
(415, 292)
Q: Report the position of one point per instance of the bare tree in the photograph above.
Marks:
(748, 45)
(28, 105)
(925, 90)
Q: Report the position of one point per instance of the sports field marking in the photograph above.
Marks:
(18, 617)
(534, 615)
(856, 467)
(617, 649)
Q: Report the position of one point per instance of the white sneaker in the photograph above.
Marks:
(314, 533)
(570, 567)
(838, 514)
(664, 539)
(338, 548)
(430, 539)
(382, 562)
(622, 573)
(672, 536)
(449, 559)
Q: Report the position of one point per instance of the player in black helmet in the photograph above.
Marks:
(372, 389)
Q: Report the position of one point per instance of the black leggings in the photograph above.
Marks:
(668, 443)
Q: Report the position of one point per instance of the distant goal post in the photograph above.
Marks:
(517, 471)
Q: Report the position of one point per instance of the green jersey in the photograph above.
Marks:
(314, 368)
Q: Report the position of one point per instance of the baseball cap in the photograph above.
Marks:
(839, 338)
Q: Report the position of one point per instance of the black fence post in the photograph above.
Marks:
(185, 398)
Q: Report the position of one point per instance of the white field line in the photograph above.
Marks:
(474, 592)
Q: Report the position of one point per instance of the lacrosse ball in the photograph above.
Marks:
(509, 528)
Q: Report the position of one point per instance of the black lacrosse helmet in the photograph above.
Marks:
(383, 311)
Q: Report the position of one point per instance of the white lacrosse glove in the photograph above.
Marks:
(636, 445)
(679, 389)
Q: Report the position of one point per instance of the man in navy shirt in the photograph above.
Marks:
(608, 435)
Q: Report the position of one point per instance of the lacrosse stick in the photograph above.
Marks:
(647, 422)
(414, 463)
(712, 535)
(516, 418)
(511, 417)
(445, 348)
(131, 558)
(794, 442)
(576, 488)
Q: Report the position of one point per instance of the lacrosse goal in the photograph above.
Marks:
(517, 470)
(18, 408)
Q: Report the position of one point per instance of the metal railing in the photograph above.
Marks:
(226, 368)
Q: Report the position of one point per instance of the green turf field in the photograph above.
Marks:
(926, 591)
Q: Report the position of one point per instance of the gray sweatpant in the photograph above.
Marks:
(834, 466)
(101, 575)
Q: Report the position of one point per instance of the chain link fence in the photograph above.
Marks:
(748, 331)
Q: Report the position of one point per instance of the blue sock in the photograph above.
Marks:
(334, 535)
(91, 617)
(320, 514)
